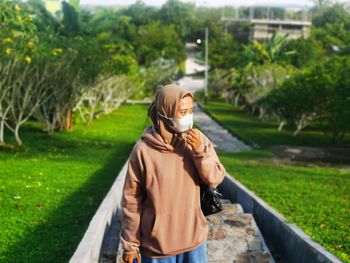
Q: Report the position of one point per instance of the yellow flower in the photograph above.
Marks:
(28, 59)
(17, 8)
(56, 51)
(9, 51)
(7, 40)
(30, 44)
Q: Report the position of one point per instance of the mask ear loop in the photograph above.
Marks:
(167, 125)
(164, 116)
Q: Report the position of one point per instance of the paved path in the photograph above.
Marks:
(221, 138)
(193, 66)
(233, 237)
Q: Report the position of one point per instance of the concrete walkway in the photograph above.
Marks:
(221, 138)
(233, 237)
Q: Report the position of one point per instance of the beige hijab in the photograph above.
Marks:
(166, 102)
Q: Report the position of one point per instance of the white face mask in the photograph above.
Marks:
(181, 125)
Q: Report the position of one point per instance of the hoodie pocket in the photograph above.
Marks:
(177, 231)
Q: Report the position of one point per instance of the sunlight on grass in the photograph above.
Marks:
(50, 188)
(315, 198)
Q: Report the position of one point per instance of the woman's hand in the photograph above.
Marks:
(128, 258)
(193, 139)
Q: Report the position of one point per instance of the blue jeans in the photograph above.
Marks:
(197, 255)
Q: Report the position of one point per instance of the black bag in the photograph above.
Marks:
(210, 199)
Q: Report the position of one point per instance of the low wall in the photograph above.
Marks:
(90, 247)
(288, 240)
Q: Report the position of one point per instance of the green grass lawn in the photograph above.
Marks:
(51, 187)
(264, 134)
(316, 198)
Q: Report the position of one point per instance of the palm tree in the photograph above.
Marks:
(273, 49)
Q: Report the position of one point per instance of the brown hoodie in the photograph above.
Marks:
(161, 204)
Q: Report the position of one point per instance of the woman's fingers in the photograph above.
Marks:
(193, 138)
(129, 258)
(193, 134)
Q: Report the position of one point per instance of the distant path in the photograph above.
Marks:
(193, 65)
(222, 139)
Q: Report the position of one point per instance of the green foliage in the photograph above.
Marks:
(75, 4)
(219, 84)
(332, 28)
(309, 52)
(158, 73)
(256, 82)
(223, 51)
(317, 94)
(272, 50)
(179, 14)
(157, 40)
(70, 19)
(141, 14)
(334, 14)
(295, 103)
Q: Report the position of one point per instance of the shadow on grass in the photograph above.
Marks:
(57, 145)
(56, 239)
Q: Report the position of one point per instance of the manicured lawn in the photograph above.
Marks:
(50, 188)
(264, 134)
(316, 198)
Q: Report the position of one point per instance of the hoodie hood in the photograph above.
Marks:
(166, 102)
(153, 138)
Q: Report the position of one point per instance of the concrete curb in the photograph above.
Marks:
(89, 248)
(286, 238)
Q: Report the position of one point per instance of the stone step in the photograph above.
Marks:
(235, 238)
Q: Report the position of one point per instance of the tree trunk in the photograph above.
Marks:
(69, 120)
(18, 139)
(280, 127)
(2, 131)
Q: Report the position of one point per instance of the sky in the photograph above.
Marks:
(204, 2)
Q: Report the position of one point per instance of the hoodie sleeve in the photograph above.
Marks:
(131, 208)
(209, 167)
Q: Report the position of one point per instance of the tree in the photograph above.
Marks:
(295, 103)
(157, 40)
(70, 20)
(159, 72)
(319, 93)
(256, 82)
(141, 14)
(272, 50)
(309, 52)
(179, 14)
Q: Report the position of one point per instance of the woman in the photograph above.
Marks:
(162, 220)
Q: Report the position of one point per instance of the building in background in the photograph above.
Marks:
(260, 23)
